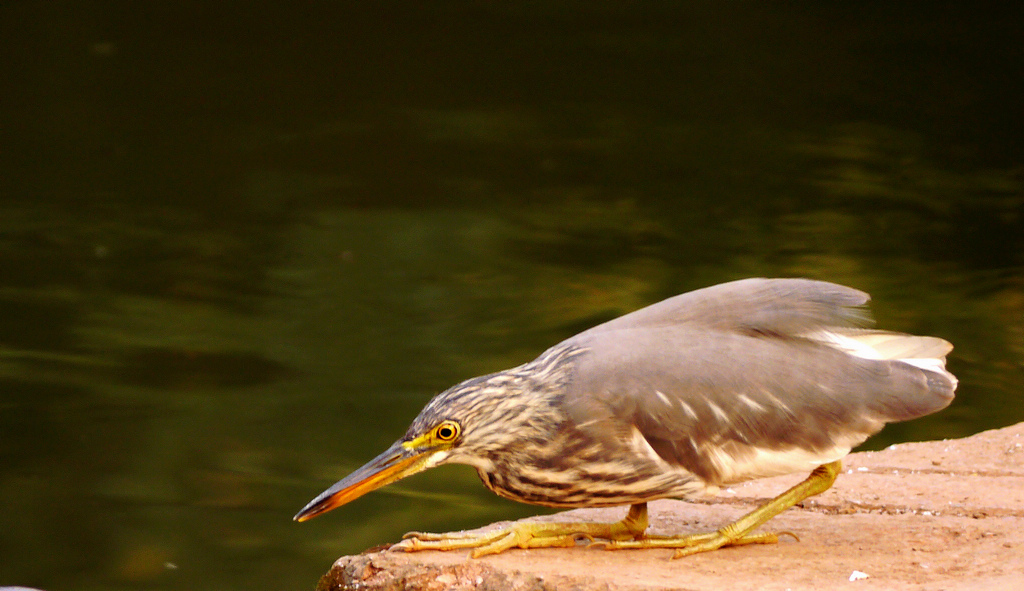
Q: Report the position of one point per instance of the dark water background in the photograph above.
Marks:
(241, 244)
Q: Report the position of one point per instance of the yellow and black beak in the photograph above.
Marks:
(397, 462)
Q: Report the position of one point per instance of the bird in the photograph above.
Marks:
(734, 382)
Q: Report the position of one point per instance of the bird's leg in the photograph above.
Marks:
(530, 535)
(738, 533)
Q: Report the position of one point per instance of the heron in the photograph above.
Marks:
(743, 380)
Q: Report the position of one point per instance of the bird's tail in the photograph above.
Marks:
(927, 354)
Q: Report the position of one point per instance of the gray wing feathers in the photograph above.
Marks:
(781, 306)
(743, 367)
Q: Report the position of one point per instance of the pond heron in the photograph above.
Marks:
(744, 380)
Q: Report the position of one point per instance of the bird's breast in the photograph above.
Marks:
(575, 470)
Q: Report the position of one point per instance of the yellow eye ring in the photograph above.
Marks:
(447, 431)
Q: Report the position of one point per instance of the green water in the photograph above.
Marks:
(240, 247)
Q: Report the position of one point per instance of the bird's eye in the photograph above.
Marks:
(447, 431)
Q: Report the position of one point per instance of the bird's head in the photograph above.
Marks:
(460, 425)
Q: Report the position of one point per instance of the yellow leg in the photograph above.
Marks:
(738, 533)
(530, 535)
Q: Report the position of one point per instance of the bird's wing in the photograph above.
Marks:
(778, 306)
(730, 404)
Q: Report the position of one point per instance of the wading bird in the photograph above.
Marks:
(744, 380)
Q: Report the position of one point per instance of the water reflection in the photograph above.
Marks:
(215, 307)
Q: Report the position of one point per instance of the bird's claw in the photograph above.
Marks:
(426, 536)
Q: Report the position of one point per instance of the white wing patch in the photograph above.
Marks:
(718, 412)
(756, 462)
(780, 405)
(754, 405)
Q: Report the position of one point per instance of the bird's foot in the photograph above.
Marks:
(741, 531)
(529, 535)
(696, 543)
(520, 535)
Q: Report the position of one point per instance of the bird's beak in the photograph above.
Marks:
(397, 462)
